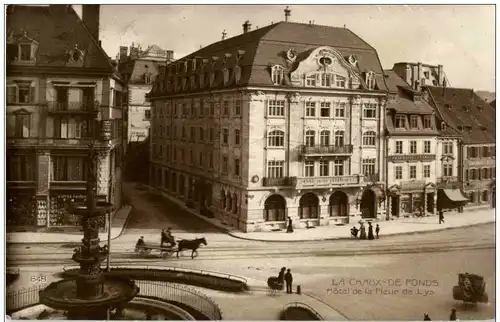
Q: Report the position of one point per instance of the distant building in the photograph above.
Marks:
(62, 94)
(465, 112)
(283, 121)
(140, 69)
(413, 150)
(417, 75)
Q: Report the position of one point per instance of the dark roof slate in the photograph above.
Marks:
(466, 112)
(57, 29)
(267, 46)
(403, 102)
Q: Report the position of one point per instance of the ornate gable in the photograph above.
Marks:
(325, 67)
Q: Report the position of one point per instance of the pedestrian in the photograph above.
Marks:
(441, 217)
(281, 275)
(289, 228)
(377, 230)
(453, 315)
(426, 317)
(288, 280)
(370, 231)
(362, 231)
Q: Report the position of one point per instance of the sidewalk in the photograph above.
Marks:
(117, 225)
(393, 227)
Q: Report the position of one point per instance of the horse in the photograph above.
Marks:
(190, 244)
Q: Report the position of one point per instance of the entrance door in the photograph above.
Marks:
(369, 204)
(395, 206)
(339, 204)
(430, 203)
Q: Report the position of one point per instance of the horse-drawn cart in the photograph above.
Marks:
(165, 251)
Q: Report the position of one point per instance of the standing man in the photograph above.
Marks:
(288, 280)
(441, 217)
(377, 230)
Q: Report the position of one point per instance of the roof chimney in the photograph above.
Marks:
(90, 17)
(224, 34)
(288, 13)
(246, 26)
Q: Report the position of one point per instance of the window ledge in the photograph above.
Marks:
(274, 147)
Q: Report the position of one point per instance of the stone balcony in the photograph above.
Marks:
(325, 150)
(327, 182)
(411, 157)
(70, 108)
(271, 182)
(448, 183)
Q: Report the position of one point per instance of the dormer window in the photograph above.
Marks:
(443, 126)
(185, 67)
(326, 80)
(400, 121)
(460, 128)
(311, 80)
(427, 122)
(147, 78)
(24, 52)
(340, 81)
(414, 121)
(212, 79)
(225, 73)
(277, 74)
(194, 65)
(21, 49)
(370, 80)
(237, 74)
(466, 108)
(202, 80)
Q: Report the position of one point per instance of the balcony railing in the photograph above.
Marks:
(327, 182)
(72, 107)
(326, 149)
(73, 143)
(411, 157)
(448, 183)
(270, 182)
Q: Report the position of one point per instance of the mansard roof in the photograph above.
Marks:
(56, 29)
(466, 112)
(256, 51)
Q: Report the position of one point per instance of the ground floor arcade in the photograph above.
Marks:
(269, 209)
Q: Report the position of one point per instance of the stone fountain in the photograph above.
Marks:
(89, 294)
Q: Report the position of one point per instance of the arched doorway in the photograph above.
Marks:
(222, 199)
(309, 206)
(339, 204)
(275, 208)
(229, 201)
(368, 204)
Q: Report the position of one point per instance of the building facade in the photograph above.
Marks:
(474, 120)
(62, 95)
(412, 151)
(140, 68)
(292, 130)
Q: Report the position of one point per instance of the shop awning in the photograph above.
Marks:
(455, 195)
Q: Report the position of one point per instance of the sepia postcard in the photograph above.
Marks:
(250, 162)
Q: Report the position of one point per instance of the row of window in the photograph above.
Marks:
(426, 173)
(276, 108)
(275, 168)
(193, 110)
(416, 122)
(201, 159)
(413, 147)
(480, 174)
(62, 168)
(480, 151)
(474, 197)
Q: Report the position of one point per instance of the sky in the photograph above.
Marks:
(460, 37)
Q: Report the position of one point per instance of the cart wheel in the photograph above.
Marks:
(167, 253)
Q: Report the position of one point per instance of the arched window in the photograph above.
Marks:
(277, 73)
(229, 201)
(339, 138)
(235, 203)
(369, 138)
(310, 137)
(485, 196)
(276, 138)
(222, 199)
(225, 73)
(275, 208)
(324, 137)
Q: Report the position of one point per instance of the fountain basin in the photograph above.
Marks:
(63, 294)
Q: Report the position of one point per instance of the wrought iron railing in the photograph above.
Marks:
(17, 300)
(326, 149)
(54, 106)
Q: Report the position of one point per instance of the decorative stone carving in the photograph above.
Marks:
(294, 97)
(257, 96)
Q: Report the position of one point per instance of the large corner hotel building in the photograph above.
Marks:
(300, 121)
(284, 121)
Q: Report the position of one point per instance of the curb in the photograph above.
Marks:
(75, 242)
(227, 231)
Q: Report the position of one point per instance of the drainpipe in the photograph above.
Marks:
(289, 101)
